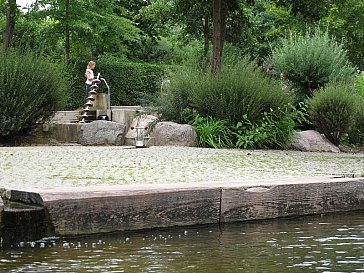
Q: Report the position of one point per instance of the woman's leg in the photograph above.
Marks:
(88, 89)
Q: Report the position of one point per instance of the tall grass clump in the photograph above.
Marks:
(333, 110)
(212, 133)
(356, 131)
(311, 60)
(31, 89)
(238, 89)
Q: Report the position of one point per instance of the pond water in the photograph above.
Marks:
(325, 243)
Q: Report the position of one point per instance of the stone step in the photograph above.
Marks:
(66, 116)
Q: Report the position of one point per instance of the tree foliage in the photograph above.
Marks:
(345, 20)
(83, 29)
(92, 27)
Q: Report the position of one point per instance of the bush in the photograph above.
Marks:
(333, 109)
(212, 133)
(237, 90)
(31, 89)
(130, 83)
(310, 61)
(356, 131)
(359, 84)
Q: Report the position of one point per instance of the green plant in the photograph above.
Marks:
(332, 110)
(271, 131)
(212, 133)
(310, 61)
(356, 131)
(359, 84)
(299, 113)
(239, 89)
(31, 89)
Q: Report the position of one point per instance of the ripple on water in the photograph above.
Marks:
(269, 246)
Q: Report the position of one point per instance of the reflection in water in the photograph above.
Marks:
(327, 243)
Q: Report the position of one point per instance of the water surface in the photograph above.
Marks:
(326, 243)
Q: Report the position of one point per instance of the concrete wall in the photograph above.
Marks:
(124, 114)
(64, 127)
(66, 132)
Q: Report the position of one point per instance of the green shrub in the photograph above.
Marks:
(130, 83)
(31, 89)
(237, 90)
(333, 109)
(356, 131)
(174, 105)
(310, 61)
(270, 132)
(212, 133)
(359, 84)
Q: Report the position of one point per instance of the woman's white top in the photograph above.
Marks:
(89, 81)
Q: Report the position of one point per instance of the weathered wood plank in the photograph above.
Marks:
(128, 211)
(253, 203)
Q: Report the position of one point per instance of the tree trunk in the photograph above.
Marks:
(10, 24)
(206, 34)
(67, 33)
(217, 34)
(223, 29)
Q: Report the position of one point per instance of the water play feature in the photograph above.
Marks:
(97, 105)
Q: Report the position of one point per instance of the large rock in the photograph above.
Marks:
(312, 141)
(174, 134)
(101, 132)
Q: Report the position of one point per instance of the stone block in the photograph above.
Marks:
(120, 209)
(293, 199)
(124, 114)
(66, 132)
(93, 210)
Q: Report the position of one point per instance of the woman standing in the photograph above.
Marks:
(89, 75)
